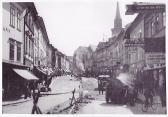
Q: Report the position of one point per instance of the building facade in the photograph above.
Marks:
(12, 43)
(29, 22)
(12, 46)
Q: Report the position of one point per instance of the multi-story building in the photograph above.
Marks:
(135, 34)
(147, 28)
(43, 42)
(18, 33)
(12, 46)
(29, 22)
(49, 55)
(12, 43)
(110, 53)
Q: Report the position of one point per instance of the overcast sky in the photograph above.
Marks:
(80, 23)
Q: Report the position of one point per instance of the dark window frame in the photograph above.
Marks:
(18, 44)
(11, 49)
(12, 16)
(18, 21)
(164, 19)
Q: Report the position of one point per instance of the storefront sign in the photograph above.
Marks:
(133, 43)
(139, 8)
(155, 58)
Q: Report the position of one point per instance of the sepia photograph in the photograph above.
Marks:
(78, 57)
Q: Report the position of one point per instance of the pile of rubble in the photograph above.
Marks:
(89, 83)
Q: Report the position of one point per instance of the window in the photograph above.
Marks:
(12, 17)
(149, 29)
(140, 33)
(26, 44)
(157, 24)
(11, 49)
(164, 19)
(18, 22)
(29, 47)
(152, 28)
(18, 51)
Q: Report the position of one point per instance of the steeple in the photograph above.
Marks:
(118, 20)
(117, 12)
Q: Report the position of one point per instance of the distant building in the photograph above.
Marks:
(109, 53)
(49, 55)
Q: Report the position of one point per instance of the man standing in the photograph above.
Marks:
(100, 87)
(162, 88)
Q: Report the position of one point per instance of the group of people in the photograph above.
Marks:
(30, 86)
(152, 83)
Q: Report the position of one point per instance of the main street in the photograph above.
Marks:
(96, 106)
(99, 106)
(59, 85)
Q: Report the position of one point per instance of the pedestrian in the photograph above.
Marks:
(155, 80)
(35, 108)
(162, 88)
(100, 87)
(80, 93)
(26, 90)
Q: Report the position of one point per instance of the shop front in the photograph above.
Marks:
(14, 76)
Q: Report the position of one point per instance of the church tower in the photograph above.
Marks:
(117, 22)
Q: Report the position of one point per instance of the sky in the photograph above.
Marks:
(73, 23)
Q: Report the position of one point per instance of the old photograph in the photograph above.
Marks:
(84, 57)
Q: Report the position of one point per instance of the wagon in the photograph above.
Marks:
(118, 91)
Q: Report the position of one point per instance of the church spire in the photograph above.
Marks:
(117, 12)
(118, 20)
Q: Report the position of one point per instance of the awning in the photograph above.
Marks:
(41, 70)
(103, 76)
(26, 74)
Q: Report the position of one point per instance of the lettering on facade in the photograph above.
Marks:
(138, 8)
(155, 58)
(6, 29)
(134, 43)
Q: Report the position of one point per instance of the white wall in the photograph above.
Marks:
(10, 32)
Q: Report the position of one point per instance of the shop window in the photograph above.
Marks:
(11, 49)
(12, 17)
(18, 51)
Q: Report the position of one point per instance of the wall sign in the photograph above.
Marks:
(155, 58)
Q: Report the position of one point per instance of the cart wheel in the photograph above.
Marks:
(144, 107)
(154, 106)
(107, 100)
